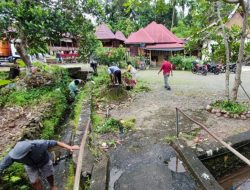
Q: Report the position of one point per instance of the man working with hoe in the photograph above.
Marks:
(35, 156)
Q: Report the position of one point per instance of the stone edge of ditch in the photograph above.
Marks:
(216, 148)
(98, 171)
(88, 159)
(195, 166)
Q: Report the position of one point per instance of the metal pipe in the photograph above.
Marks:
(177, 123)
(239, 155)
(244, 91)
(80, 158)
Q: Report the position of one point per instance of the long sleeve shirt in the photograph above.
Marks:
(113, 69)
(73, 88)
(36, 158)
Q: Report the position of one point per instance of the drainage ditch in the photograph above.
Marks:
(228, 169)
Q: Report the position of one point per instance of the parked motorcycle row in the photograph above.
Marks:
(214, 68)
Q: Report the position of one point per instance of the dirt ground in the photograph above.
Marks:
(17, 123)
(155, 110)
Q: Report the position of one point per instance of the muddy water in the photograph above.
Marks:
(239, 180)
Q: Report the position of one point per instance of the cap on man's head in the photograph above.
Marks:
(20, 150)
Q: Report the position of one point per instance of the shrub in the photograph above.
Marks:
(55, 94)
(52, 119)
(230, 106)
(111, 125)
(3, 75)
(4, 82)
(182, 62)
(106, 56)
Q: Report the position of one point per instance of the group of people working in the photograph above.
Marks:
(116, 75)
(34, 154)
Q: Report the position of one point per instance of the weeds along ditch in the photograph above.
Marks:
(49, 86)
(106, 97)
(44, 92)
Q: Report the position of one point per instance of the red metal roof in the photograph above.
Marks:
(141, 36)
(165, 46)
(178, 40)
(120, 36)
(104, 33)
(154, 34)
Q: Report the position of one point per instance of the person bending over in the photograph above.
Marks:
(36, 159)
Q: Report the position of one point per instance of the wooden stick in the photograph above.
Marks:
(80, 157)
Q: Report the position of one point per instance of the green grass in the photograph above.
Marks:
(3, 75)
(128, 124)
(169, 139)
(4, 82)
(230, 106)
(110, 125)
(56, 95)
(71, 176)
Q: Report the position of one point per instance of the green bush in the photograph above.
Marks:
(16, 178)
(134, 61)
(52, 119)
(3, 75)
(26, 97)
(55, 94)
(128, 124)
(32, 96)
(4, 82)
(230, 106)
(111, 125)
(182, 62)
(107, 56)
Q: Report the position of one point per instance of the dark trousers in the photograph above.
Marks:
(94, 67)
(118, 76)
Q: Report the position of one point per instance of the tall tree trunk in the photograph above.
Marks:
(227, 51)
(237, 80)
(173, 14)
(23, 54)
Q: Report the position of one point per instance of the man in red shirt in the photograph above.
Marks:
(166, 67)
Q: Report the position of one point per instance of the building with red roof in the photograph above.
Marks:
(154, 41)
(108, 38)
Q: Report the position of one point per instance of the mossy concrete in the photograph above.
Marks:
(201, 173)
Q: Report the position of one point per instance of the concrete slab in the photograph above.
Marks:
(84, 67)
(201, 173)
(100, 176)
(143, 163)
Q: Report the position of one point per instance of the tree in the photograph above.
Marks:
(35, 23)
(227, 51)
(28, 19)
(237, 81)
(136, 14)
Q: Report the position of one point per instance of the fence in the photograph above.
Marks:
(235, 152)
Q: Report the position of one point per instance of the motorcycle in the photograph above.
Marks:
(214, 68)
(197, 68)
(232, 68)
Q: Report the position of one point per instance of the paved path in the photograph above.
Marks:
(142, 162)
